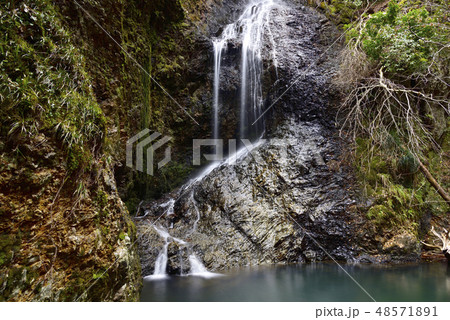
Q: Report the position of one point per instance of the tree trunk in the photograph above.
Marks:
(434, 183)
(447, 255)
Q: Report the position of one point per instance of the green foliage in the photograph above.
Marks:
(122, 235)
(403, 52)
(99, 275)
(101, 199)
(9, 245)
(342, 12)
(44, 86)
(402, 38)
(77, 158)
(395, 203)
(174, 174)
(407, 166)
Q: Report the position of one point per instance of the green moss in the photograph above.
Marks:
(101, 199)
(396, 203)
(132, 202)
(44, 84)
(403, 38)
(105, 230)
(9, 246)
(380, 213)
(122, 235)
(341, 11)
(100, 275)
(76, 158)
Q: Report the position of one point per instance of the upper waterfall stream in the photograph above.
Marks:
(250, 30)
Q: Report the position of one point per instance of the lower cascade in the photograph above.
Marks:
(161, 261)
(196, 267)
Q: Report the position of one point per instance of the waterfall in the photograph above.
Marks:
(161, 261)
(160, 271)
(197, 267)
(249, 29)
(219, 45)
(169, 205)
(199, 270)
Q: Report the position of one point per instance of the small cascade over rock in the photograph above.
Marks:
(199, 270)
(161, 261)
(178, 249)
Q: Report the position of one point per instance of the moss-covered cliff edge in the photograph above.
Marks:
(70, 98)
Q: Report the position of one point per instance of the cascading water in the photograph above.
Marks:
(168, 206)
(197, 267)
(250, 29)
(219, 44)
(161, 261)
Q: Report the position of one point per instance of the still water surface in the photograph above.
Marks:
(313, 282)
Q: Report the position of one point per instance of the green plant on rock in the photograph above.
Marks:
(396, 202)
(122, 235)
(100, 275)
(401, 41)
(44, 86)
(101, 199)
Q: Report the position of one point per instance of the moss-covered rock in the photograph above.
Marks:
(57, 191)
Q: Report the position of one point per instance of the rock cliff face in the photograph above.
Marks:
(65, 233)
(59, 247)
(293, 197)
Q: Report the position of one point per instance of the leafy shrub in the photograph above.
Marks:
(402, 38)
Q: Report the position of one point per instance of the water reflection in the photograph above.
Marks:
(313, 282)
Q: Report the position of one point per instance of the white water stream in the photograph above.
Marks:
(249, 29)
